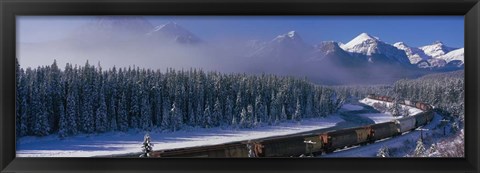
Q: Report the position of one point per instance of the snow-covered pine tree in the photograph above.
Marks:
(176, 117)
(135, 107)
(71, 112)
(274, 116)
(207, 115)
(283, 115)
(22, 104)
(63, 123)
(395, 108)
(419, 149)
(383, 152)
(298, 111)
(229, 110)
(260, 111)
(251, 121)
(217, 113)
(101, 113)
(145, 112)
(166, 115)
(122, 113)
(243, 118)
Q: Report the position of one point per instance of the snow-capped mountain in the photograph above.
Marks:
(173, 32)
(414, 54)
(330, 51)
(376, 50)
(289, 45)
(457, 54)
(113, 28)
(436, 55)
(436, 49)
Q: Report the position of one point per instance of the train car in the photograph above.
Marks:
(418, 105)
(364, 134)
(390, 99)
(384, 130)
(423, 118)
(281, 147)
(224, 150)
(338, 139)
(429, 115)
(405, 124)
(346, 137)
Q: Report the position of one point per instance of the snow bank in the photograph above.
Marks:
(130, 142)
(370, 102)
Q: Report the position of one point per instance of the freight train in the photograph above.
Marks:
(311, 143)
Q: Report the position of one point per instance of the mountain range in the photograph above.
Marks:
(364, 57)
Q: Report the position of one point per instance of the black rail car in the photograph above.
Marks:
(333, 140)
(281, 147)
(223, 150)
(384, 130)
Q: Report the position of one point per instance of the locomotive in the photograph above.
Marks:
(313, 143)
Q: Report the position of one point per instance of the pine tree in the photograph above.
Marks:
(243, 118)
(298, 111)
(207, 115)
(217, 113)
(251, 121)
(383, 152)
(122, 113)
(166, 117)
(419, 149)
(283, 115)
(101, 113)
(63, 123)
(145, 112)
(229, 110)
(260, 110)
(71, 114)
(176, 117)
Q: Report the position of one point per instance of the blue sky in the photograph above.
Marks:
(413, 30)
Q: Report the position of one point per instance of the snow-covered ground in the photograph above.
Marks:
(130, 142)
(370, 102)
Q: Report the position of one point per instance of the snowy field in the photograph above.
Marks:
(130, 142)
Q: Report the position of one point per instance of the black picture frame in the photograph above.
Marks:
(11, 8)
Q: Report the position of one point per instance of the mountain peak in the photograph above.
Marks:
(361, 39)
(398, 44)
(365, 36)
(175, 31)
(291, 35)
(438, 42)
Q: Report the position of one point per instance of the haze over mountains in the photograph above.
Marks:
(128, 41)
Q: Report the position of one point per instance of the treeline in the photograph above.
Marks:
(445, 91)
(88, 99)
